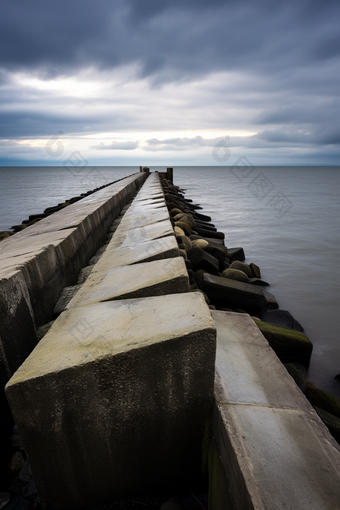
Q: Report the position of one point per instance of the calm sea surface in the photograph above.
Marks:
(287, 220)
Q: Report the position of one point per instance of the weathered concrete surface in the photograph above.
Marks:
(89, 210)
(117, 399)
(17, 339)
(51, 252)
(157, 249)
(274, 448)
(17, 330)
(158, 203)
(48, 262)
(150, 201)
(37, 263)
(146, 197)
(156, 278)
(137, 220)
(132, 236)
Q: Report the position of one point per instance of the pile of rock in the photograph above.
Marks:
(220, 273)
(228, 283)
(21, 492)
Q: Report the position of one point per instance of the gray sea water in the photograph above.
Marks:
(286, 218)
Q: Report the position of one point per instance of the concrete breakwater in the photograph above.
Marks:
(37, 263)
(118, 395)
(34, 218)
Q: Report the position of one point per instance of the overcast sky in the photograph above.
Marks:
(147, 82)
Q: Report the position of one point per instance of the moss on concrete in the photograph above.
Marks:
(219, 493)
(289, 345)
(331, 422)
(322, 399)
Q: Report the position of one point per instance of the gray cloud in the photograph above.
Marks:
(169, 39)
(197, 141)
(119, 145)
(268, 67)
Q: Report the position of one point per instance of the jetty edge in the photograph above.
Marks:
(147, 343)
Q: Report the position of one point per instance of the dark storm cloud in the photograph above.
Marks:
(172, 39)
(287, 53)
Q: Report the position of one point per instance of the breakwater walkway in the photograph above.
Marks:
(138, 376)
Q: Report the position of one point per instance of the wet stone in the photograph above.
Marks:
(241, 266)
(65, 297)
(41, 332)
(25, 474)
(271, 301)
(281, 318)
(258, 281)
(233, 294)
(236, 254)
(16, 441)
(16, 462)
(200, 259)
(84, 274)
(255, 270)
(4, 499)
(235, 274)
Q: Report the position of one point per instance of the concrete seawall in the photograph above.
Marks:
(146, 427)
(136, 375)
(37, 263)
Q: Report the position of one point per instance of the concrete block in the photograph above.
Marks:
(52, 252)
(117, 399)
(17, 246)
(236, 254)
(37, 263)
(166, 276)
(17, 339)
(163, 248)
(135, 220)
(233, 294)
(275, 450)
(150, 201)
(90, 210)
(17, 329)
(149, 208)
(278, 458)
(51, 262)
(147, 196)
(126, 237)
(138, 205)
(247, 369)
